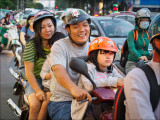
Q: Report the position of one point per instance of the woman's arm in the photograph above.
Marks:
(131, 45)
(29, 68)
(22, 38)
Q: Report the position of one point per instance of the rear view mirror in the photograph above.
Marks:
(80, 66)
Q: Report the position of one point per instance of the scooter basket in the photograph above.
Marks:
(103, 95)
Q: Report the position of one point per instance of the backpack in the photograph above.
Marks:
(125, 51)
(119, 107)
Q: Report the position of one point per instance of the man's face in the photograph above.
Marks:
(79, 32)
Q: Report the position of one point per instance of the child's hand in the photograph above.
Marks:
(120, 82)
(48, 76)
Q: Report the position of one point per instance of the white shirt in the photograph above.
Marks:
(137, 92)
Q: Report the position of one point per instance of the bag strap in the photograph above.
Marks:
(154, 87)
(135, 32)
(147, 34)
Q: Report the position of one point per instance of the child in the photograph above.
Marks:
(102, 51)
(46, 68)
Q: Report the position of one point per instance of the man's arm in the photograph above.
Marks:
(63, 79)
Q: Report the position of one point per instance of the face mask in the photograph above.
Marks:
(144, 25)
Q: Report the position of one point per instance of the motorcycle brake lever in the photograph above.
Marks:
(93, 98)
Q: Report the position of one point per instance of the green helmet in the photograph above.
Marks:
(154, 29)
(75, 16)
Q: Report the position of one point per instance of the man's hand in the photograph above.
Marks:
(41, 95)
(80, 94)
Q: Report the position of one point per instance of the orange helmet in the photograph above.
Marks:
(103, 43)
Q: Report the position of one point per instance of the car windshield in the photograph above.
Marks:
(116, 28)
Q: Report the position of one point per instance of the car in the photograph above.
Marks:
(114, 28)
(129, 16)
(58, 15)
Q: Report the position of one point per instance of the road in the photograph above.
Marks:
(6, 86)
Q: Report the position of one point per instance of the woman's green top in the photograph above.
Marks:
(29, 55)
(139, 47)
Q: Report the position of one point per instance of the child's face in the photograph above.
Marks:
(104, 59)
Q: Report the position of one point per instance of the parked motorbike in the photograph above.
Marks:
(13, 38)
(99, 95)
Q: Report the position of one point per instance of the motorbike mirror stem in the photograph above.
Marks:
(80, 66)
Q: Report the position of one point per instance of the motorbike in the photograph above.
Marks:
(13, 38)
(22, 110)
(121, 69)
(99, 95)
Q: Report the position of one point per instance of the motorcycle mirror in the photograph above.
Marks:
(80, 66)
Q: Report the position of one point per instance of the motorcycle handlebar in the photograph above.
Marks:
(93, 99)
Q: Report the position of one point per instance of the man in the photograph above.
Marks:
(64, 81)
(137, 87)
(61, 24)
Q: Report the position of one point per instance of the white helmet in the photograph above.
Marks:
(144, 12)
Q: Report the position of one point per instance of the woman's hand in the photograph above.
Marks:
(120, 82)
(144, 58)
(41, 95)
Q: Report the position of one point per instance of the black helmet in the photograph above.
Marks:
(75, 16)
(43, 14)
(154, 28)
(8, 14)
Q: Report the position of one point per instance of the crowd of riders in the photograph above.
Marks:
(54, 89)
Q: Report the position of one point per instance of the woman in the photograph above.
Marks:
(4, 21)
(138, 49)
(35, 53)
(27, 31)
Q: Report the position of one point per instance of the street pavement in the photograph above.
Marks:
(6, 86)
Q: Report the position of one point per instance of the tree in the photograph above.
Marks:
(8, 4)
(34, 5)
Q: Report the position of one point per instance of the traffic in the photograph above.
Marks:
(82, 64)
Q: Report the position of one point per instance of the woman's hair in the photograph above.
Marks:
(27, 25)
(92, 57)
(38, 40)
